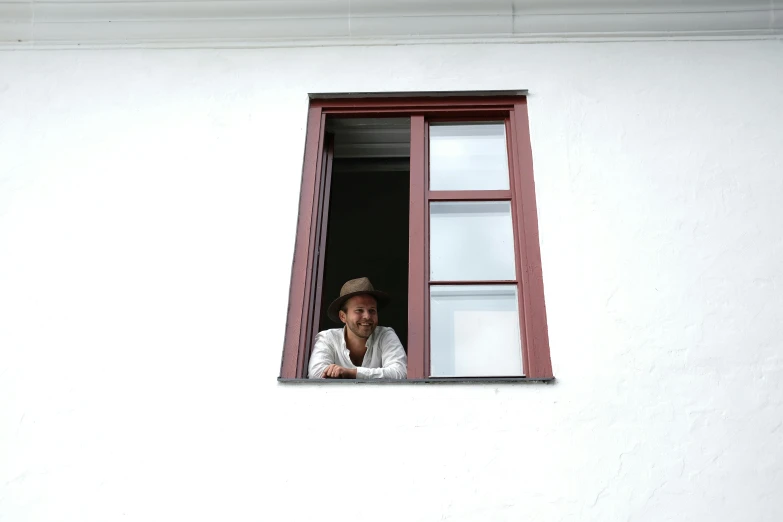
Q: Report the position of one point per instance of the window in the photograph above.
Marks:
(446, 184)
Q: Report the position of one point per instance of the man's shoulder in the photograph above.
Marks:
(329, 336)
(387, 332)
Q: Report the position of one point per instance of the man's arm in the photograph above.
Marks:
(335, 371)
(321, 358)
(394, 362)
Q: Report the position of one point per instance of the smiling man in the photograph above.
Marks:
(361, 349)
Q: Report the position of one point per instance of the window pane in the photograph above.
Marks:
(468, 157)
(471, 240)
(474, 331)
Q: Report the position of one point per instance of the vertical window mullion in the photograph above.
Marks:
(295, 338)
(519, 244)
(417, 265)
(314, 320)
(531, 283)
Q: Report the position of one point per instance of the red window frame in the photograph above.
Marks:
(305, 289)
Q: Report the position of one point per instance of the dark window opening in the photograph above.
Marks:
(367, 226)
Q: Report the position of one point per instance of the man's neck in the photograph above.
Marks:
(357, 347)
(354, 342)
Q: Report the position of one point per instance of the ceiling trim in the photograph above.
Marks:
(226, 23)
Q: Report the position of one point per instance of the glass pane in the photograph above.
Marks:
(471, 240)
(474, 331)
(468, 157)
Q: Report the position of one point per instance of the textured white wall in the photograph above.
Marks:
(148, 205)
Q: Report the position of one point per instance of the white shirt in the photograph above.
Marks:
(385, 357)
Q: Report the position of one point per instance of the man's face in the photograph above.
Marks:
(360, 315)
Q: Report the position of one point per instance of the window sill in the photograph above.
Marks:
(431, 380)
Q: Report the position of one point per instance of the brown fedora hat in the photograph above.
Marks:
(354, 287)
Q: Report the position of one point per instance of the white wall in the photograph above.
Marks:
(148, 204)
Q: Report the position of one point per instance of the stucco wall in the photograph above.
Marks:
(148, 204)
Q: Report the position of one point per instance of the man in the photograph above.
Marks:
(361, 349)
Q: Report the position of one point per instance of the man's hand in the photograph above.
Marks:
(334, 371)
